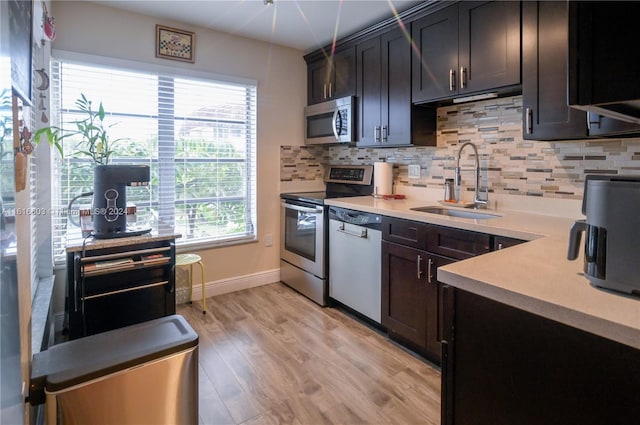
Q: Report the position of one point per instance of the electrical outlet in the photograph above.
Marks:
(414, 171)
(268, 239)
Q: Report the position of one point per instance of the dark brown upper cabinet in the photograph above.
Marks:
(332, 77)
(545, 89)
(603, 63)
(467, 48)
(384, 90)
(436, 38)
(385, 115)
(545, 45)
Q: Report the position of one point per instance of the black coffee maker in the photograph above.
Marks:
(611, 205)
(110, 199)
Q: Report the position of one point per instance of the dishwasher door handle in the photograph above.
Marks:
(362, 234)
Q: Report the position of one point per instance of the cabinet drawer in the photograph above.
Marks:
(405, 232)
(458, 244)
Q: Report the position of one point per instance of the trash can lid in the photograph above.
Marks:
(81, 360)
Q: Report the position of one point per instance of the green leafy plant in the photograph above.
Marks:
(95, 139)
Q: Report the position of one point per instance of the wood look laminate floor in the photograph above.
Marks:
(270, 356)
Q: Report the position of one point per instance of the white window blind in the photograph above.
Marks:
(198, 136)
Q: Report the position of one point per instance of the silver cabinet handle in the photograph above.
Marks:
(528, 115)
(463, 77)
(330, 90)
(324, 91)
(384, 134)
(499, 246)
(376, 134)
(429, 266)
(452, 80)
(418, 268)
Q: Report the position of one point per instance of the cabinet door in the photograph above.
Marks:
(604, 67)
(489, 45)
(435, 60)
(435, 306)
(318, 76)
(332, 78)
(396, 88)
(404, 293)
(516, 362)
(344, 74)
(369, 92)
(545, 46)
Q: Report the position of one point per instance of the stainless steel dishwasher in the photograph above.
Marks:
(355, 243)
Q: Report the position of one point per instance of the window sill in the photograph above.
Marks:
(197, 246)
(40, 315)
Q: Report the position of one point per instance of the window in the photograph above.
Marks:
(198, 136)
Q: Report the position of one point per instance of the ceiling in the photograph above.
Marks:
(302, 24)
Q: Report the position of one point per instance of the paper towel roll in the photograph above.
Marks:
(382, 178)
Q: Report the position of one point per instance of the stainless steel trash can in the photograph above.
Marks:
(141, 374)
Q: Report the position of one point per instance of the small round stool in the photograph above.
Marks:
(190, 260)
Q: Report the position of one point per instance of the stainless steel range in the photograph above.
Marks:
(304, 229)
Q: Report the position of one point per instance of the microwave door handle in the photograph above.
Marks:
(316, 210)
(334, 124)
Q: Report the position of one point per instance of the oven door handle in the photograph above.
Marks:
(316, 210)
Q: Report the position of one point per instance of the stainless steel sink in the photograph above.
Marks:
(455, 213)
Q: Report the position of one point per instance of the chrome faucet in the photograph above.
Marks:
(477, 202)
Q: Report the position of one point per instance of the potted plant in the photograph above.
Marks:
(95, 142)
(109, 195)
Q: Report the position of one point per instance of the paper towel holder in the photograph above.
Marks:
(382, 179)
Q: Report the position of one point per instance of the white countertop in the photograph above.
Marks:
(535, 276)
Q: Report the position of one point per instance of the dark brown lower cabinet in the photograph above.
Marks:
(411, 307)
(502, 365)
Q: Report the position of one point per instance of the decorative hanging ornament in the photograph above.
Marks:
(48, 24)
(25, 139)
(44, 79)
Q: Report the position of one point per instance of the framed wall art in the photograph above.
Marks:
(175, 44)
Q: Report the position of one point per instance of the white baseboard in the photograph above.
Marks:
(224, 286)
(218, 287)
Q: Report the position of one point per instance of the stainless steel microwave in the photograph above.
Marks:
(330, 122)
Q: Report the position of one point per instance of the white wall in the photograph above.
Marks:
(281, 74)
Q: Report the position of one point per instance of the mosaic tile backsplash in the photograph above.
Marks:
(508, 163)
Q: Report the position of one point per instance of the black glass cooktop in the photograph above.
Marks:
(316, 198)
